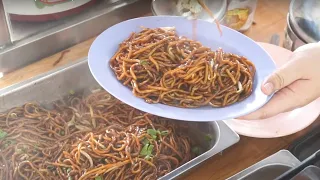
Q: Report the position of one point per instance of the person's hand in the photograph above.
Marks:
(296, 84)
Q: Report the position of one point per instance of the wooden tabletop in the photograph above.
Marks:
(270, 18)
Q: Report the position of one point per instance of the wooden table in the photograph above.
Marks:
(270, 18)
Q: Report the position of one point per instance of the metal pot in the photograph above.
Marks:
(291, 39)
(303, 23)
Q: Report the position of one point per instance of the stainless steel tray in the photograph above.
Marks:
(56, 84)
(309, 173)
(269, 168)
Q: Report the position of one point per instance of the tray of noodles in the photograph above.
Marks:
(62, 125)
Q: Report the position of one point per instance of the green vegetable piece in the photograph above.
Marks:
(164, 133)
(70, 178)
(62, 133)
(196, 150)
(153, 133)
(150, 149)
(208, 137)
(98, 178)
(154, 137)
(39, 4)
(143, 62)
(144, 150)
(3, 134)
(145, 141)
(147, 150)
(72, 92)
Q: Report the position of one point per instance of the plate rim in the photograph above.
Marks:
(10, 12)
(314, 103)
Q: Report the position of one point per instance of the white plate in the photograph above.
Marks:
(106, 44)
(283, 124)
(29, 8)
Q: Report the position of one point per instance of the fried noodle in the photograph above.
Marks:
(96, 137)
(161, 67)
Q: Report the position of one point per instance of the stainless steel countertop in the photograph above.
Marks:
(68, 32)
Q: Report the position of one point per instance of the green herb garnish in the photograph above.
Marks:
(196, 150)
(3, 134)
(72, 92)
(98, 178)
(144, 150)
(145, 141)
(153, 133)
(150, 149)
(208, 137)
(62, 133)
(147, 150)
(143, 62)
(164, 133)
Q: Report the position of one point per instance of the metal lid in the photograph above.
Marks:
(305, 19)
(187, 7)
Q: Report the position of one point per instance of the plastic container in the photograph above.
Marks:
(240, 14)
(189, 8)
